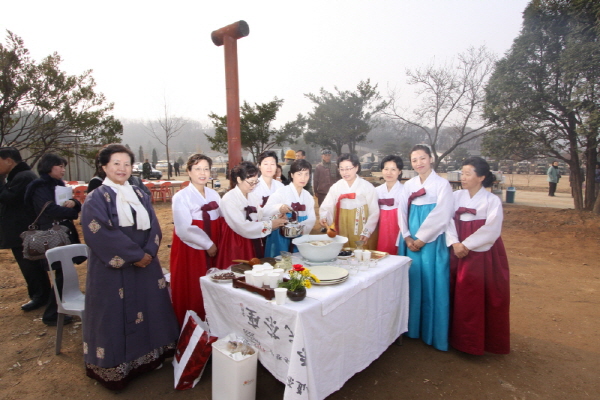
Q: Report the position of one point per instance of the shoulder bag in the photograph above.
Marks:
(36, 242)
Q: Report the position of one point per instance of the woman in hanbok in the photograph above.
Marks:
(197, 219)
(479, 273)
(291, 198)
(129, 325)
(351, 204)
(243, 215)
(267, 185)
(389, 197)
(424, 212)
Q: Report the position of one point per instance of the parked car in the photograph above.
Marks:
(137, 171)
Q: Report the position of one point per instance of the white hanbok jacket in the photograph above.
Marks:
(438, 192)
(365, 196)
(488, 207)
(288, 195)
(186, 206)
(262, 190)
(382, 193)
(233, 206)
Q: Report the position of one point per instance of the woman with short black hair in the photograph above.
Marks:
(197, 229)
(244, 217)
(352, 205)
(130, 327)
(292, 197)
(389, 197)
(479, 275)
(51, 169)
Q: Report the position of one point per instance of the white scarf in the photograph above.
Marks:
(126, 200)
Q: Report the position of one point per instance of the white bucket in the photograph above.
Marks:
(232, 379)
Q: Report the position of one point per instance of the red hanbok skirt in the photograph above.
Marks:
(388, 231)
(233, 247)
(480, 297)
(187, 266)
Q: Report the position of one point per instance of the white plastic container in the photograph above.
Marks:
(232, 379)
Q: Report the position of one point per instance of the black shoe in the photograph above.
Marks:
(32, 305)
(68, 319)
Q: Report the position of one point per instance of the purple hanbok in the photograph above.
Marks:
(129, 325)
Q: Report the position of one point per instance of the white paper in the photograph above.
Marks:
(62, 194)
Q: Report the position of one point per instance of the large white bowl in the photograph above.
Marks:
(319, 253)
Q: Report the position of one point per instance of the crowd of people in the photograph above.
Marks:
(458, 279)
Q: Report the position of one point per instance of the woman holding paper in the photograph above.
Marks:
(51, 169)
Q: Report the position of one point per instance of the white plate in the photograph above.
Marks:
(325, 283)
(328, 272)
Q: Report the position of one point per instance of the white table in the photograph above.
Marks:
(314, 346)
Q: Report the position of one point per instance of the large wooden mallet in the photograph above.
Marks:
(227, 37)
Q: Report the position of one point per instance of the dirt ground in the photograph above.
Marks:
(554, 257)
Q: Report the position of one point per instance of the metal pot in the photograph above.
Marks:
(292, 229)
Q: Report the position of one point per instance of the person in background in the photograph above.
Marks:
(51, 169)
(424, 212)
(352, 205)
(15, 218)
(286, 199)
(301, 155)
(146, 169)
(267, 185)
(97, 180)
(244, 217)
(553, 178)
(479, 275)
(289, 157)
(279, 176)
(389, 198)
(198, 223)
(176, 168)
(130, 327)
(326, 174)
(169, 170)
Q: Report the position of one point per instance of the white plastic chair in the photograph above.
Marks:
(73, 301)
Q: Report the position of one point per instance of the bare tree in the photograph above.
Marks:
(164, 129)
(451, 97)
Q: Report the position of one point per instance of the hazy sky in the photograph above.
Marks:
(142, 52)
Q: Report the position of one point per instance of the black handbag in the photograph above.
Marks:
(36, 242)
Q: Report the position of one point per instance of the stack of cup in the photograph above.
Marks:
(259, 278)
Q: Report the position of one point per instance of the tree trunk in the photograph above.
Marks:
(596, 208)
(591, 155)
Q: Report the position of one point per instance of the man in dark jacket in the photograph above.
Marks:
(15, 217)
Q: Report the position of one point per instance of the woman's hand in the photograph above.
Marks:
(460, 250)
(212, 251)
(410, 243)
(69, 204)
(284, 209)
(147, 259)
(419, 244)
(364, 238)
(278, 222)
(324, 223)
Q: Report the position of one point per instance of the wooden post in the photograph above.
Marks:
(227, 37)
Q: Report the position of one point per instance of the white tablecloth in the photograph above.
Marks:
(314, 346)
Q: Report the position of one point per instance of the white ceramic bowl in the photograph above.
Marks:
(319, 253)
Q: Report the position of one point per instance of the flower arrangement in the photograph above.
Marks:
(300, 277)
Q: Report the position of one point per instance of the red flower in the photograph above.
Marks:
(298, 267)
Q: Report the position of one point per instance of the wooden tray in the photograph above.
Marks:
(240, 282)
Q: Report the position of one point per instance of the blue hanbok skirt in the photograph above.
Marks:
(276, 242)
(429, 284)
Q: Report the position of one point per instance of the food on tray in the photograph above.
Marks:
(320, 242)
(224, 276)
(345, 253)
